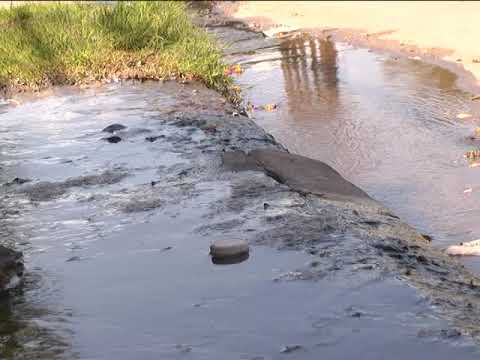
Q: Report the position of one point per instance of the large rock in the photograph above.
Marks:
(298, 172)
(11, 266)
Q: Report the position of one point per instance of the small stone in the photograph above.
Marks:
(113, 139)
(114, 127)
(228, 248)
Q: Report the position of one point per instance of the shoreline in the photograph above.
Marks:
(344, 28)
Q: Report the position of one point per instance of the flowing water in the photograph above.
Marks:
(387, 124)
(116, 270)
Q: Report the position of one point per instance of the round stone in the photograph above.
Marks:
(228, 248)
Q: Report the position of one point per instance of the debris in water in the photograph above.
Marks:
(477, 97)
(474, 164)
(290, 348)
(234, 69)
(464, 116)
(471, 248)
(476, 61)
(467, 191)
(269, 107)
(154, 138)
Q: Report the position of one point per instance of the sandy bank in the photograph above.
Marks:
(447, 31)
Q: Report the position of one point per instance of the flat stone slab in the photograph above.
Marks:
(298, 172)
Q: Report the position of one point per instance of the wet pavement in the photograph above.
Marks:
(116, 238)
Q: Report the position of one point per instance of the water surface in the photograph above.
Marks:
(388, 124)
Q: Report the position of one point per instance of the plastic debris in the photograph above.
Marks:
(464, 116)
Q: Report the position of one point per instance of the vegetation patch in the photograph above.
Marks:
(74, 43)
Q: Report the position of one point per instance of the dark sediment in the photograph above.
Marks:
(11, 265)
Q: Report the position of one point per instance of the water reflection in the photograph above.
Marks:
(387, 124)
(309, 67)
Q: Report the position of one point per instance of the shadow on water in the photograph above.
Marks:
(387, 124)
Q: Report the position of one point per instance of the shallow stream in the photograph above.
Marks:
(117, 270)
(388, 124)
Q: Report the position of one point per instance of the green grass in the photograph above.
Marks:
(57, 43)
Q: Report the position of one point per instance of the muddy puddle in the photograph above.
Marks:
(388, 124)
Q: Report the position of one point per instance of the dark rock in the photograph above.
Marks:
(373, 223)
(450, 333)
(114, 127)
(427, 237)
(113, 139)
(17, 181)
(300, 173)
(11, 265)
(290, 348)
(422, 259)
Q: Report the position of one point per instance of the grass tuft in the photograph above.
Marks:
(58, 43)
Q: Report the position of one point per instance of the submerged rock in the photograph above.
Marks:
(113, 139)
(11, 266)
(114, 127)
